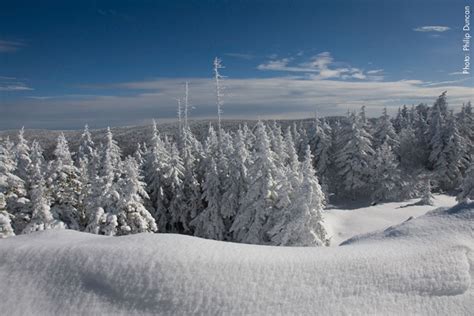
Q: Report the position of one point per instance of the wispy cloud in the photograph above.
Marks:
(240, 56)
(432, 28)
(10, 46)
(66, 96)
(445, 83)
(266, 98)
(321, 66)
(14, 87)
(12, 84)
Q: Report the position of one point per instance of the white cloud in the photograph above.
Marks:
(10, 46)
(277, 97)
(240, 56)
(432, 28)
(15, 88)
(12, 84)
(375, 71)
(321, 66)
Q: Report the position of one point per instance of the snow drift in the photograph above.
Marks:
(422, 266)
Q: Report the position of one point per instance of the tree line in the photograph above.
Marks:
(259, 184)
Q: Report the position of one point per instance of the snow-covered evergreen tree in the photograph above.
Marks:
(250, 224)
(467, 186)
(354, 160)
(22, 156)
(132, 216)
(65, 185)
(41, 217)
(386, 178)
(110, 172)
(237, 181)
(12, 188)
(456, 153)
(385, 132)
(301, 223)
(6, 229)
(86, 146)
(174, 173)
(190, 203)
(155, 162)
(210, 223)
(466, 126)
(163, 174)
(402, 120)
(426, 195)
(321, 143)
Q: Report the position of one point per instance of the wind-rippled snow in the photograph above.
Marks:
(422, 266)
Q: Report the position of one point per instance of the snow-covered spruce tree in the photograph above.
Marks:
(139, 155)
(277, 143)
(448, 152)
(402, 120)
(301, 139)
(110, 172)
(22, 157)
(354, 160)
(6, 229)
(84, 193)
(164, 173)
(420, 129)
(339, 133)
(219, 152)
(426, 195)
(466, 126)
(250, 224)
(456, 154)
(155, 162)
(237, 181)
(320, 142)
(301, 224)
(210, 223)
(386, 179)
(91, 195)
(41, 217)
(86, 146)
(288, 177)
(385, 132)
(12, 188)
(248, 136)
(132, 216)
(190, 190)
(37, 155)
(87, 162)
(102, 206)
(64, 185)
(467, 185)
(174, 174)
(437, 115)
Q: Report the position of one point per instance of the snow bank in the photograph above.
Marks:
(422, 266)
(343, 223)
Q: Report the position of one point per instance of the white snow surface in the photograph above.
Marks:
(342, 223)
(424, 266)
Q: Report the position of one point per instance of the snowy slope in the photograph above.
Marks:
(423, 266)
(342, 223)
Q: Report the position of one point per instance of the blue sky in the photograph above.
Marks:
(67, 63)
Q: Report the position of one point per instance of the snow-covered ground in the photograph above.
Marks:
(343, 223)
(424, 266)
